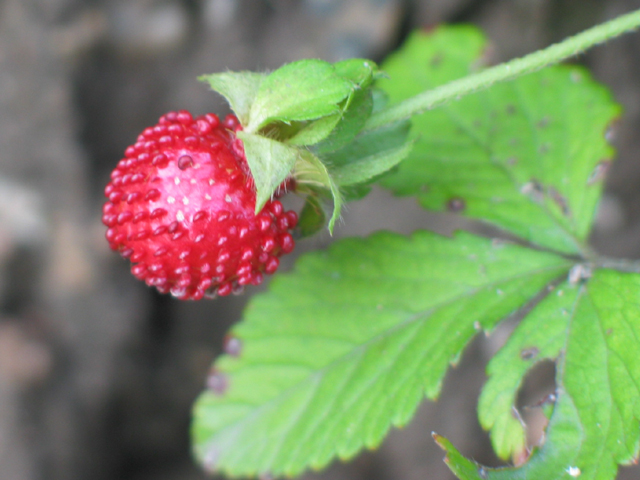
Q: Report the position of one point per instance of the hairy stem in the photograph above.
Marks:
(506, 71)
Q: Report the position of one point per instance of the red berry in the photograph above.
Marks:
(181, 208)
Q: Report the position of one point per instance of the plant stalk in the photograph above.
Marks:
(506, 71)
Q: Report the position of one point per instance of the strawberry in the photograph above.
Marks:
(181, 209)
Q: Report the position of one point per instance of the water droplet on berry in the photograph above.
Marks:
(185, 162)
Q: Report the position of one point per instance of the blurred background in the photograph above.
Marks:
(98, 372)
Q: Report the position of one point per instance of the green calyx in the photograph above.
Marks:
(304, 121)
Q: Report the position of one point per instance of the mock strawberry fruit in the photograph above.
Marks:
(181, 209)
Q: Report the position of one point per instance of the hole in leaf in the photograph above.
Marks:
(537, 392)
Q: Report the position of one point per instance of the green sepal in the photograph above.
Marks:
(311, 173)
(360, 71)
(352, 120)
(239, 89)
(270, 162)
(303, 90)
(316, 131)
(370, 154)
(312, 217)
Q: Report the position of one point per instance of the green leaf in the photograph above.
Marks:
(592, 327)
(555, 461)
(312, 173)
(302, 90)
(540, 336)
(526, 155)
(239, 88)
(346, 346)
(370, 155)
(270, 163)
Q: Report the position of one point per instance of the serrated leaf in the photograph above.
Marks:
(370, 154)
(302, 90)
(593, 329)
(239, 88)
(270, 163)
(346, 346)
(554, 461)
(540, 336)
(311, 172)
(526, 155)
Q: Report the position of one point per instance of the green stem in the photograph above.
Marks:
(506, 71)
